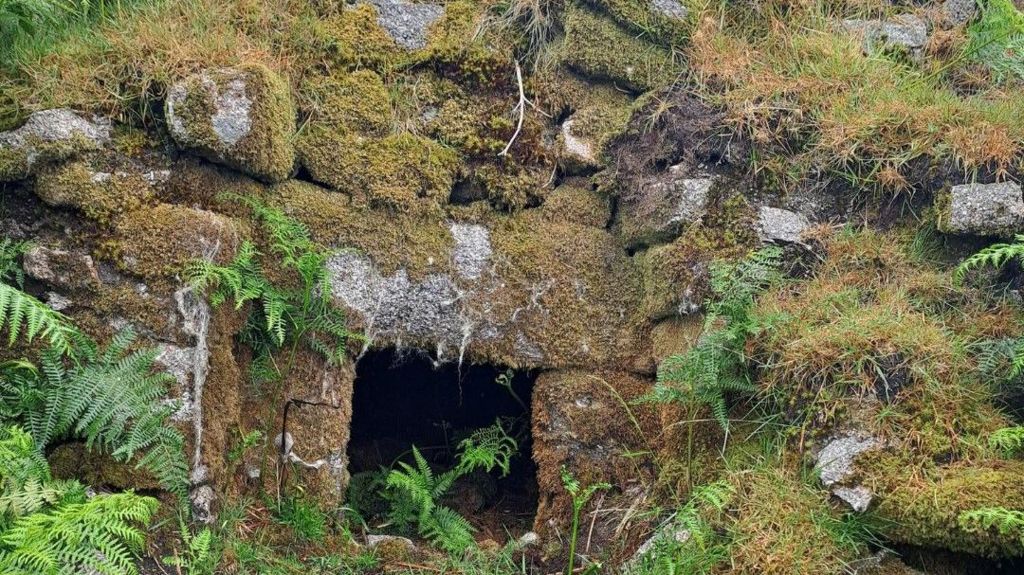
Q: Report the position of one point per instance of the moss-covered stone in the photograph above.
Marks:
(598, 48)
(350, 102)
(574, 202)
(391, 172)
(415, 240)
(47, 136)
(588, 423)
(459, 47)
(923, 507)
(356, 41)
(666, 21)
(242, 117)
(157, 243)
(102, 196)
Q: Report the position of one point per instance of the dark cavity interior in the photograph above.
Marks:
(402, 400)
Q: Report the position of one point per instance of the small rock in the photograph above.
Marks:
(472, 249)
(405, 22)
(240, 117)
(390, 547)
(673, 532)
(835, 460)
(835, 465)
(959, 12)
(202, 498)
(577, 151)
(858, 498)
(57, 302)
(903, 31)
(664, 205)
(983, 209)
(778, 225)
(47, 136)
(670, 8)
(527, 539)
(62, 269)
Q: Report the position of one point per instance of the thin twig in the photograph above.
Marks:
(520, 107)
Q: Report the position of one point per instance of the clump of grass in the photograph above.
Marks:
(122, 65)
(781, 525)
(804, 90)
(879, 338)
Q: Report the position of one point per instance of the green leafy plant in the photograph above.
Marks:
(197, 557)
(994, 354)
(414, 491)
(50, 527)
(688, 542)
(1005, 521)
(1009, 440)
(997, 39)
(303, 517)
(284, 315)
(995, 255)
(716, 365)
(113, 399)
(580, 497)
(25, 482)
(100, 533)
(245, 443)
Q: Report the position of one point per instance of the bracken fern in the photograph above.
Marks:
(716, 365)
(114, 400)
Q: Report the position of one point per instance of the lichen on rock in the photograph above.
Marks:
(596, 47)
(48, 136)
(242, 117)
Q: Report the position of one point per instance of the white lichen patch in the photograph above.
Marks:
(472, 249)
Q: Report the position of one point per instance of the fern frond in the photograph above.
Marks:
(995, 255)
(448, 530)
(102, 533)
(1009, 440)
(24, 315)
(1008, 522)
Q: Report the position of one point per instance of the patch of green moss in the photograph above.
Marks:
(459, 48)
(569, 295)
(782, 526)
(597, 48)
(74, 461)
(157, 243)
(415, 239)
(356, 41)
(356, 101)
(509, 186)
(923, 506)
(574, 202)
(18, 163)
(266, 151)
(101, 196)
(392, 172)
(477, 127)
(641, 15)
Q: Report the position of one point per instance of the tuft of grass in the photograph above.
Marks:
(804, 90)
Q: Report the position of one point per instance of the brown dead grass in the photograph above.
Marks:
(801, 86)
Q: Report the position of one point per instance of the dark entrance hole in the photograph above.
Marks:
(402, 400)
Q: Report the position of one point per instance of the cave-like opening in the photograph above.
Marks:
(402, 399)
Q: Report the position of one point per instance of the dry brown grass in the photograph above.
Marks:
(872, 318)
(122, 68)
(798, 84)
